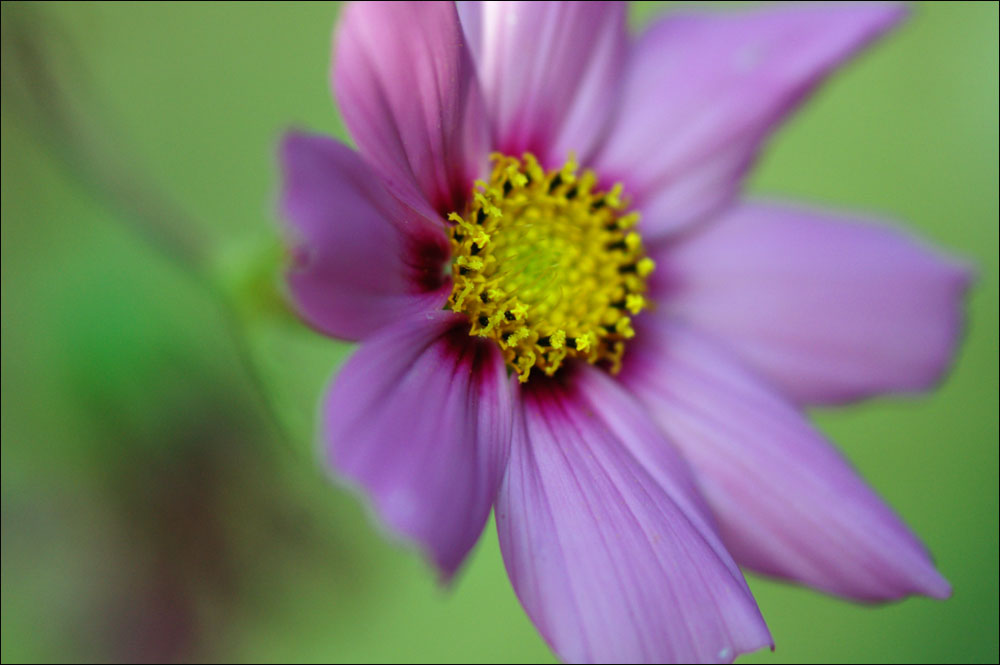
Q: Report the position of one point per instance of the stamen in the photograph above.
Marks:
(548, 266)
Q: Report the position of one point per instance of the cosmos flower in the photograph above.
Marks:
(567, 315)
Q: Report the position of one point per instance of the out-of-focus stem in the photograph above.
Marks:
(45, 85)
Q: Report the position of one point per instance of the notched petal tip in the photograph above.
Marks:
(961, 277)
(831, 308)
(606, 540)
(787, 503)
(713, 87)
(360, 258)
(418, 420)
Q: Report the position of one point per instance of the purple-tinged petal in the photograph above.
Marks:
(550, 72)
(703, 91)
(420, 419)
(361, 259)
(606, 541)
(787, 503)
(406, 88)
(829, 309)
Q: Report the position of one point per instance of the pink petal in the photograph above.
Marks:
(420, 419)
(787, 502)
(361, 259)
(827, 308)
(703, 91)
(606, 541)
(407, 90)
(549, 71)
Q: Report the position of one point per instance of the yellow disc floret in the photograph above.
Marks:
(548, 266)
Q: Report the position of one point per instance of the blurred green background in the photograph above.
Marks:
(162, 498)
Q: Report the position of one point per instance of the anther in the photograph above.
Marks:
(539, 261)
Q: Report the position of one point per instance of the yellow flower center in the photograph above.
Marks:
(548, 266)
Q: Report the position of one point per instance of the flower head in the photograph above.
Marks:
(567, 315)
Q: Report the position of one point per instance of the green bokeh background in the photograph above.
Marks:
(162, 498)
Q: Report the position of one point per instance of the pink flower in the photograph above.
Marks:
(598, 340)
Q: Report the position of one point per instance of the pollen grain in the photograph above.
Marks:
(548, 265)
